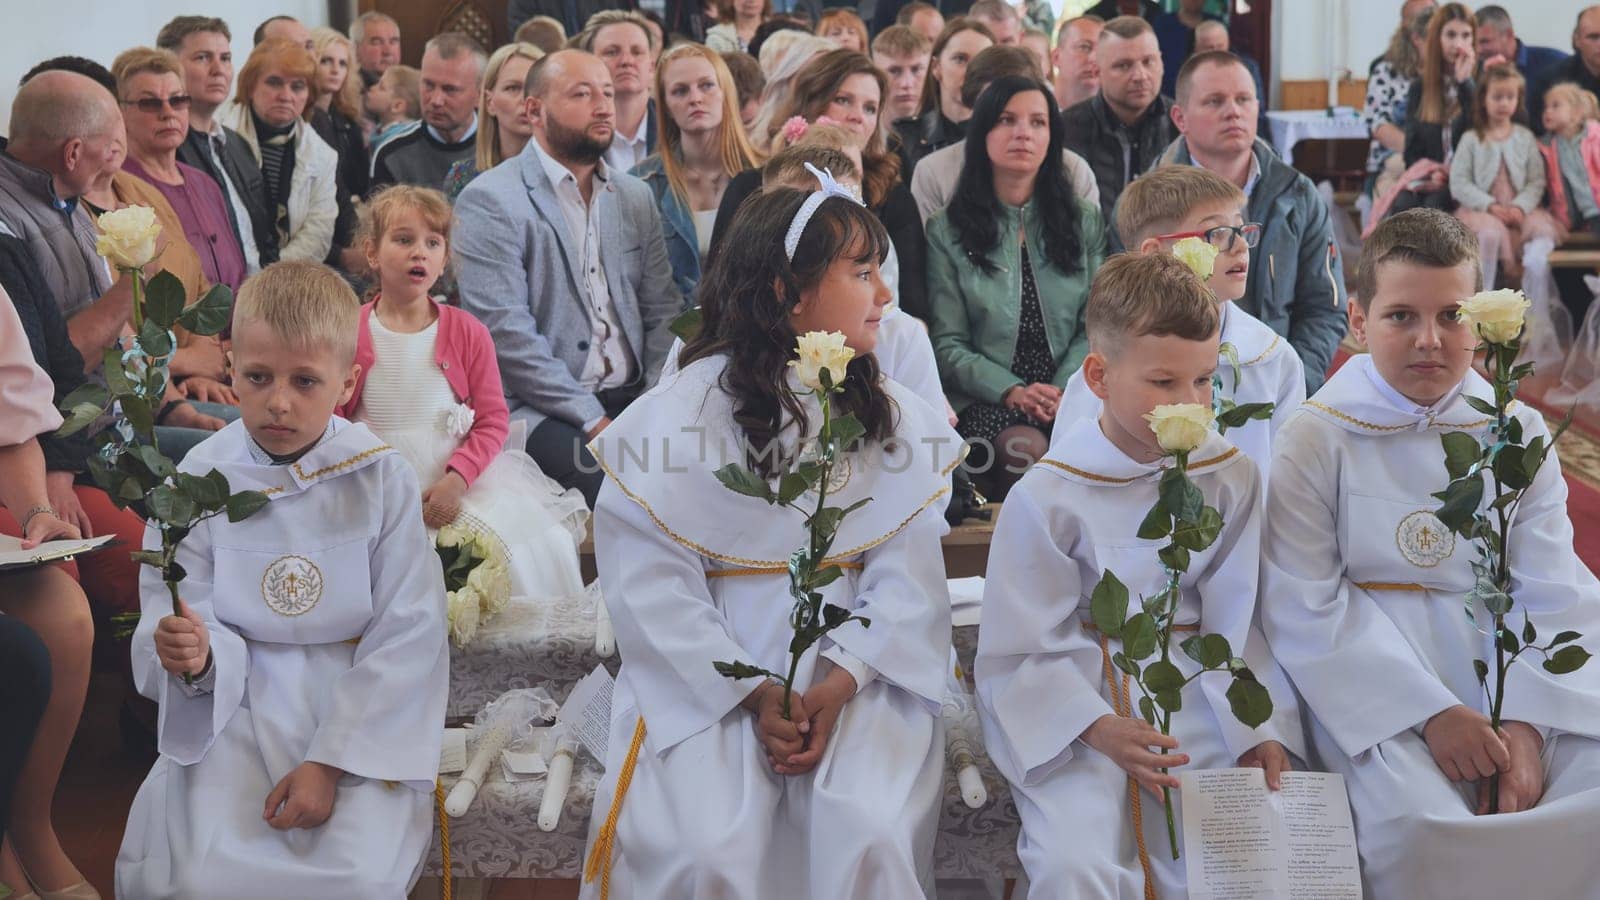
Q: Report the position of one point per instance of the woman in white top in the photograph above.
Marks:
(703, 145)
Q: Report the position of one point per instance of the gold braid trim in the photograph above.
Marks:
(1387, 429)
(605, 840)
(1407, 586)
(1107, 479)
(444, 840)
(311, 476)
(1276, 340)
(775, 570)
(782, 565)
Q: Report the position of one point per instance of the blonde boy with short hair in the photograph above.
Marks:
(1154, 213)
(1048, 696)
(303, 685)
(1362, 600)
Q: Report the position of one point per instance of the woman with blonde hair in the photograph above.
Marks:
(702, 146)
(503, 124)
(299, 170)
(336, 116)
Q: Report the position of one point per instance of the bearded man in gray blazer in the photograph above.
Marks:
(563, 259)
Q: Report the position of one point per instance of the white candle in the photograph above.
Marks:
(488, 747)
(556, 782)
(605, 639)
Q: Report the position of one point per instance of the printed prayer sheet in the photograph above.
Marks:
(1245, 842)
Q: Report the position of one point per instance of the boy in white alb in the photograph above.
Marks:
(1085, 779)
(300, 761)
(1362, 602)
(1177, 202)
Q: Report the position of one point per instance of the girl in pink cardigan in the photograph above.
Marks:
(429, 385)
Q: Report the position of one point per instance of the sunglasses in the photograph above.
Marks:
(153, 105)
(1222, 236)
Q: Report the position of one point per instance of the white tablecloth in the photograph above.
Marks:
(1289, 127)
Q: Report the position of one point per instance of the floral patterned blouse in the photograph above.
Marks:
(1386, 103)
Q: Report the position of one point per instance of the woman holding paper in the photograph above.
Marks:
(47, 602)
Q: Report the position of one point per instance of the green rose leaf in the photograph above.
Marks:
(1249, 700)
(1139, 636)
(847, 429)
(791, 486)
(826, 577)
(740, 480)
(1162, 675)
(211, 314)
(174, 572)
(1174, 557)
(1529, 633)
(163, 299)
(167, 504)
(1157, 524)
(1461, 500)
(1200, 533)
(1181, 496)
(89, 393)
(1461, 450)
(1209, 650)
(1482, 405)
(743, 670)
(203, 491)
(1508, 467)
(826, 523)
(1508, 640)
(1514, 430)
(117, 380)
(1121, 661)
(78, 418)
(687, 325)
(1566, 660)
(1147, 708)
(245, 504)
(1171, 701)
(159, 465)
(1482, 668)
(155, 339)
(1108, 605)
(1533, 458)
(1565, 637)
(1239, 414)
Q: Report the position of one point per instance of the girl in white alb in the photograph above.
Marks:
(430, 387)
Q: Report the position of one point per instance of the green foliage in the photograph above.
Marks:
(129, 464)
(686, 327)
(809, 570)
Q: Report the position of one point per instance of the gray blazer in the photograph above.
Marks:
(514, 265)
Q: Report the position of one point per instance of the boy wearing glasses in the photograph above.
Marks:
(1154, 213)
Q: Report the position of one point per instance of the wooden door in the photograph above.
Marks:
(483, 20)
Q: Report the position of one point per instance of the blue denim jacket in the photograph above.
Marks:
(677, 227)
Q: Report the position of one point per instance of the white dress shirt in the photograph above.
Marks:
(626, 152)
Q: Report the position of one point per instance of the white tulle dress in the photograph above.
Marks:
(407, 401)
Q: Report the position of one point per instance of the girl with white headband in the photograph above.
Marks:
(709, 790)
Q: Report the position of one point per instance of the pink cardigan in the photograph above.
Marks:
(1589, 149)
(465, 354)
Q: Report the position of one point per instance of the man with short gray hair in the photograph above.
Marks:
(1496, 37)
(1582, 68)
(452, 79)
(376, 37)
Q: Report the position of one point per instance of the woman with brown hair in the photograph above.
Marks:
(702, 147)
(739, 20)
(941, 116)
(1439, 104)
(299, 171)
(845, 87)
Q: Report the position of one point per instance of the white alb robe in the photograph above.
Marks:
(1042, 675)
(1269, 372)
(704, 815)
(327, 624)
(1362, 602)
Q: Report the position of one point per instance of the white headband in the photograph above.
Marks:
(827, 187)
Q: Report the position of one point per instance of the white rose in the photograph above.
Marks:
(128, 236)
(1495, 316)
(459, 420)
(452, 535)
(1180, 427)
(819, 350)
(462, 607)
(1197, 254)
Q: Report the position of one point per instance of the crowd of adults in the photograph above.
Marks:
(593, 163)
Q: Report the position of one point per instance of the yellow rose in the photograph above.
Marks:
(1495, 316)
(1197, 254)
(462, 608)
(128, 236)
(1180, 427)
(452, 536)
(819, 350)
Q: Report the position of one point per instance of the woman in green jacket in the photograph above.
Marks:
(1009, 265)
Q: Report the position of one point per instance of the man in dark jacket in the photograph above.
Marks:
(1581, 68)
(1296, 279)
(1122, 129)
(202, 46)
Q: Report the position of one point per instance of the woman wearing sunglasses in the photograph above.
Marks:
(155, 109)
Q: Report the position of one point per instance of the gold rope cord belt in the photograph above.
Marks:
(1122, 705)
(600, 855)
(772, 570)
(444, 840)
(1408, 586)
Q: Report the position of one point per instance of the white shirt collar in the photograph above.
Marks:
(557, 173)
(1403, 404)
(471, 130)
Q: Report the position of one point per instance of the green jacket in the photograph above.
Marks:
(973, 316)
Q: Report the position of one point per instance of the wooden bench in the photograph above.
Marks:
(1581, 251)
(966, 548)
